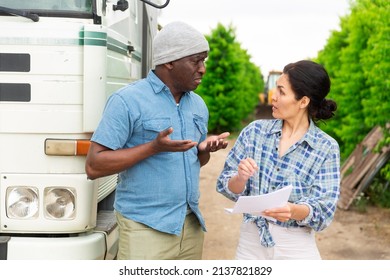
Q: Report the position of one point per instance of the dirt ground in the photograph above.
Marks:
(353, 235)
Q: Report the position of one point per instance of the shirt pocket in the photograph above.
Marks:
(200, 128)
(152, 127)
(301, 188)
(289, 177)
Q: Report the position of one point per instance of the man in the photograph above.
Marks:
(153, 133)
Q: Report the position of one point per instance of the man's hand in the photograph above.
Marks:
(163, 143)
(214, 143)
(211, 144)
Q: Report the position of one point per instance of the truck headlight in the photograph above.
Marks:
(22, 202)
(60, 203)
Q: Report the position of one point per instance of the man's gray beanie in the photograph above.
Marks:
(177, 40)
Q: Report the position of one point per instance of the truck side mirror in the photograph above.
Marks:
(122, 5)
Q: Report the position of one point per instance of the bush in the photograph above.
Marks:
(232, 83)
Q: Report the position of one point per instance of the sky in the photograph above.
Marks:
(274, 32)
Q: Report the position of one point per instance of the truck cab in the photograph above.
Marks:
(59, 62)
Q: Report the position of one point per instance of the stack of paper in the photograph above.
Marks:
(258, 203)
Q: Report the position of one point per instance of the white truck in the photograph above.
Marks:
(59, 61)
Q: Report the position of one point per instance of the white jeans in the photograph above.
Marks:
(291, 243)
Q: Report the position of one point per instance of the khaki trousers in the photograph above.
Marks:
(140, 242)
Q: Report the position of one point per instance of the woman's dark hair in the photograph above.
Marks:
(310, 79)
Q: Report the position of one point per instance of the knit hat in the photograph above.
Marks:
(177, 40)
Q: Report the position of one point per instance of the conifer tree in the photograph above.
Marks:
(232, 82)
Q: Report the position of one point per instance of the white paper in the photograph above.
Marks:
(258, 203)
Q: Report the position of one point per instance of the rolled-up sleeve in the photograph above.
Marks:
(324, 194)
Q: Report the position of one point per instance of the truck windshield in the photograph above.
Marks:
(48, 7)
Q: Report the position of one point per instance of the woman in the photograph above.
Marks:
(288, 150)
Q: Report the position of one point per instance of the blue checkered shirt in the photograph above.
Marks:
(311, 166)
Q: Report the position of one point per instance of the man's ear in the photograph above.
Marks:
(304, 102)
(169, 65)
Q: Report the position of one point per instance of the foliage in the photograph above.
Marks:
(361, 202)
(358, 61)
(379, 192)
(231, 85)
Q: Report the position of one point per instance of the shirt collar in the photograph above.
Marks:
(311, 135)
(158, 85)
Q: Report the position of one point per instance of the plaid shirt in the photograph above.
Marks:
(311, 166)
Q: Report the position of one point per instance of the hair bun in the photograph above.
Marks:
(326, 109)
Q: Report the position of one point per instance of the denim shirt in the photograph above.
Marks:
(157, 190)
(311, 166)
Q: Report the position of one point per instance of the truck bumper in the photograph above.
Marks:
(101, 244)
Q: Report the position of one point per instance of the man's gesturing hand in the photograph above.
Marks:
(163, 143)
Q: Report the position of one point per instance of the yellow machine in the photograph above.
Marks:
(269, 87)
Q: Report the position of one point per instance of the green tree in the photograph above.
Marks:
(358, 61)
(231, 85)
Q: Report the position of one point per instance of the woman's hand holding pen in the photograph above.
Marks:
(246, 168)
